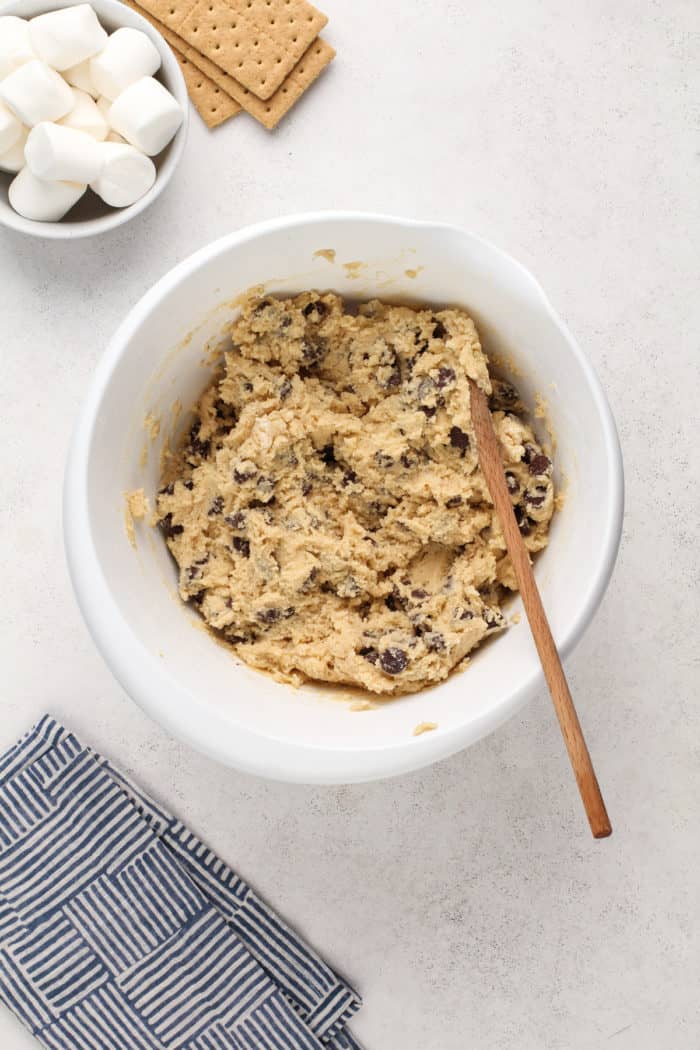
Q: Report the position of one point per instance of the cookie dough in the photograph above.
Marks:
(327, 512)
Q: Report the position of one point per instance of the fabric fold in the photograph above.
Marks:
(120, 928)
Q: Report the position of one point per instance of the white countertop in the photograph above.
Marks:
(467, 901)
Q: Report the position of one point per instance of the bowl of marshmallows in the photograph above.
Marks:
(93, 116)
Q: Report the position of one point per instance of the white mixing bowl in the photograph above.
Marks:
(155, 645)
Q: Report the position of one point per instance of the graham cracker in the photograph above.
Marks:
(270, 112)
(213, 105)
(256, 41)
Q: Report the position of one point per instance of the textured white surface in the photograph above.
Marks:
(467, 902)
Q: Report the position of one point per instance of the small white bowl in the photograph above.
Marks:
(90, 215)
(155, 645)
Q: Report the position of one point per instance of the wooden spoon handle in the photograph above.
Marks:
(492, 467)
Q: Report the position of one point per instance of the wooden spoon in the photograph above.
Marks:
(491, 463)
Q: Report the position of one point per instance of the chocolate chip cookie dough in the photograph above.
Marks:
(327, 512)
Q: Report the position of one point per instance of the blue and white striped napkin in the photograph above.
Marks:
(120, 930)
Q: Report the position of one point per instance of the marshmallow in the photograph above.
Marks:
(13, 159)
(15, 45)
(125, 175)
(42, 201)
(10, 128)
(85, 116)
(34, 92)
(68, 36)
(79, 77)
(114, 137)
(104, 105)
(127, 56)
(147, 115)
(55, 152)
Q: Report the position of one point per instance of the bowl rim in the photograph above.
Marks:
(121, 15)
(281, 758)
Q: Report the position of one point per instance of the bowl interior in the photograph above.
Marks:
(159, 361)
(91, 215)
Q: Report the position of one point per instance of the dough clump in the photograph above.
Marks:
(327, 512)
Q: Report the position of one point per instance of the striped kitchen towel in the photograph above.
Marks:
(120, 930)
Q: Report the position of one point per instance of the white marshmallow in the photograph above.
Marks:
(68, 36)
(63, 154)
(147, 115)
(34, 92)
(15, 45)
(13, 160)
(10, 128)
(114, 137)
(40, 200)
(104, 105)
(125, 175)
(127, 56)
(79, 77)
(85, 116)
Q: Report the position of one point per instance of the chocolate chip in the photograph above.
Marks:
(236, 521)
(418, 592)
(492, 618)
(407, 461)
(434, 642)
(223, 410)
(394, 602)
(394, 379)
(529, 452)
(258, 504)
(453, 501)
(198, 598)
(286, 321)
(167, 491)
(539, 464)
(393, 661)
(439, 331)
(349, 478)
(168, 529)
(262, 306)
(534, 501)
(189, 484)
(235, 639)
(370, 654)
(306, 486)
(285, 390)
(383, 461)
(524, 523)
(512, 483)
(458, 439)
(197, 447)
(466, 614)
(327, 454)
(317, 307)
(268, 616)
(242, 476)
(503, 396)
(327, 588)
(313, 352)
(445, 376)
(428, 410)
(216, 507)
(242, 546)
